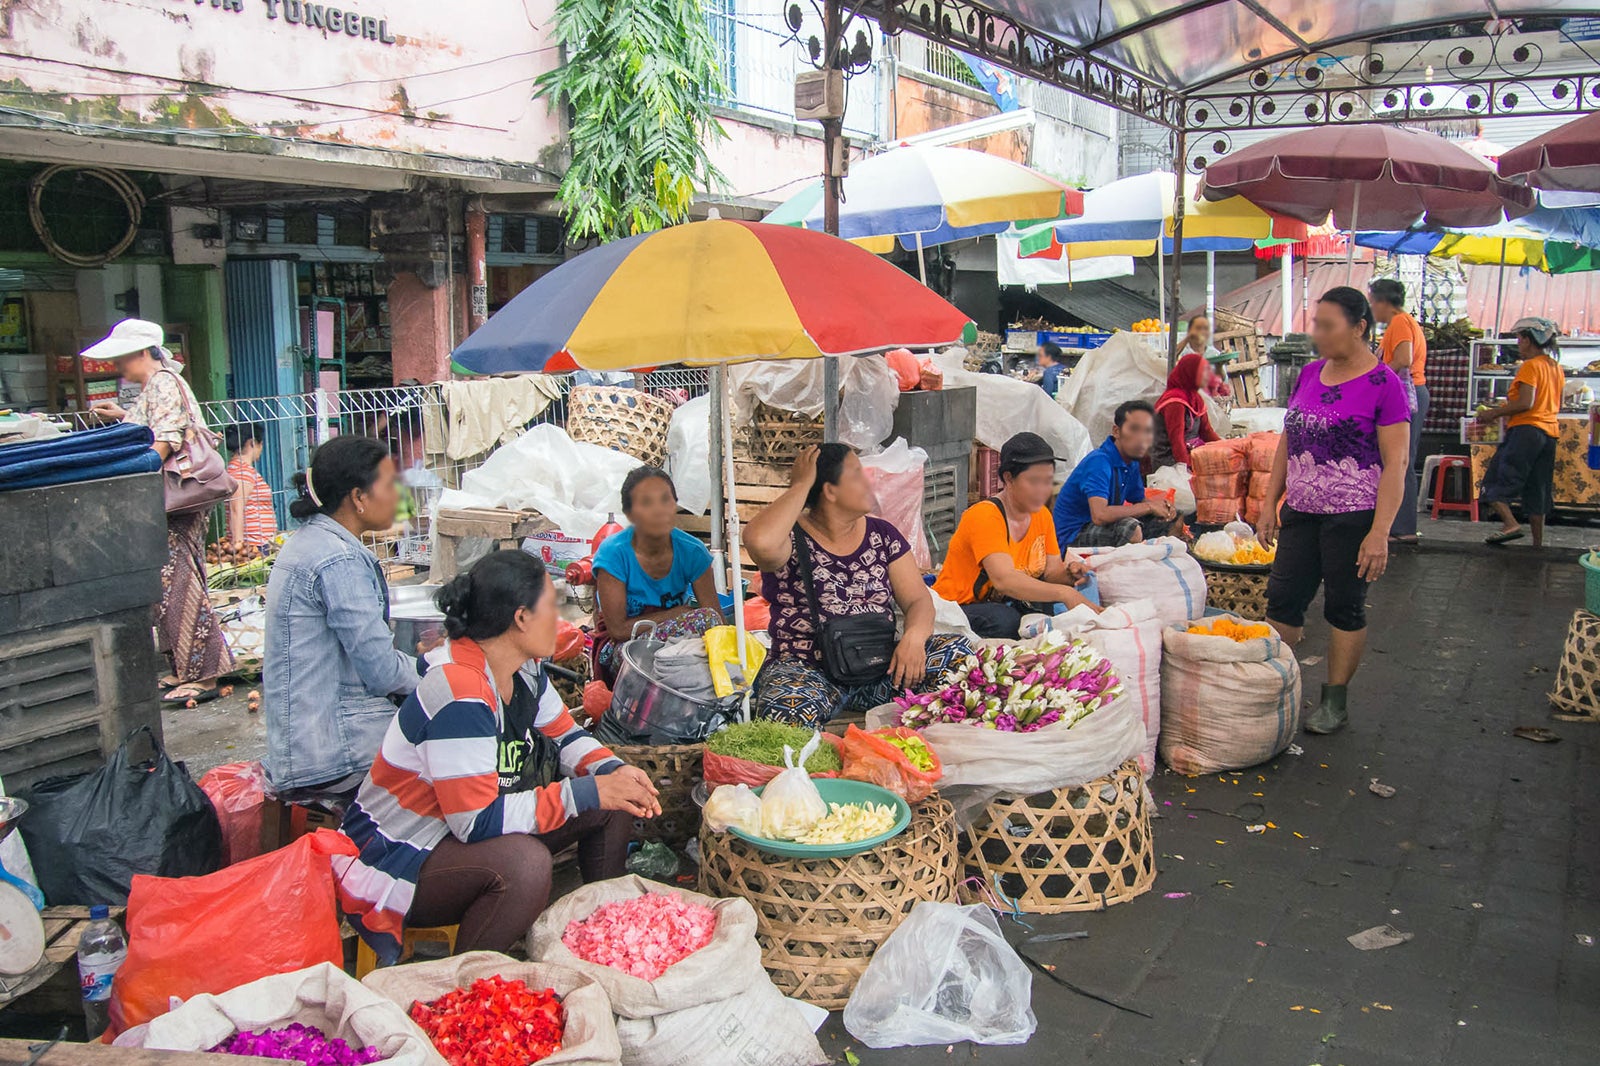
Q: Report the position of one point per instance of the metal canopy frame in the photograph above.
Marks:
(1398, 74)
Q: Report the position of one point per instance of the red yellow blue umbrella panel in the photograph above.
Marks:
(703, 293)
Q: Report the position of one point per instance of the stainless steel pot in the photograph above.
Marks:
(643, 707)
(413, 616)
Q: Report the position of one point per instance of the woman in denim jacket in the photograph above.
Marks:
(331, 676)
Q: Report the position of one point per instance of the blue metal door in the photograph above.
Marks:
(264, 349)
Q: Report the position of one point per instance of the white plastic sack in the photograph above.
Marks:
(980, 764)
(573, 484)
(1160, 569)
(717, 1007)
(322, 995)
(870, 394)
(1008, 406)
(944, 976)
(1130, 636)
(1226, 704)
(1175, 478)
(590, 1036)
(689, 454)
(948, 617)
(896, 477)
(790, 802)
(1124, 368)
(1247, 420)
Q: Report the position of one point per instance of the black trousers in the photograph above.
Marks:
(1319, 550)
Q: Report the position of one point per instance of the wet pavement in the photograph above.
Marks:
(1488, 853)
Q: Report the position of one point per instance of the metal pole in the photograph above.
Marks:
(1350, 247)
(1180, 171)
(832, 128)
(1500, 299)
(1211, 288)
(1287, 273)
(922, 261)
(719, 464)
(477, 264)
(736, 579)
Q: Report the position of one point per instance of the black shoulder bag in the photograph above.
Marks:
(856, 649)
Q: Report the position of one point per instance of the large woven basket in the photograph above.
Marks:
(1577, 688)
(624, 420)
(777, 437)
(1239, 592)
(1074, 849)
(571, 692)
(818, 923)
(675, 769)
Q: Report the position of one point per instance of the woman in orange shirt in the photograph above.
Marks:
(1405, 350)
(1525, 463)
(251, 518)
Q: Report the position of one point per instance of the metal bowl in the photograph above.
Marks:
(11, 808)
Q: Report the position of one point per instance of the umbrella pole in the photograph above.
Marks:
(922, 262)
(736, 581)
(1287, 277)
(1350, 247)
(1180, 172)
(719, 553)
(1161, 283)
(1500, 298)
(1211, 288)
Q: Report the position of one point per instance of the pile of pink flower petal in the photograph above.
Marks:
(642, 936)
(296, 1043)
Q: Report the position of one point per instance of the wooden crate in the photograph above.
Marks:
(52, 985)
(505, 527)
(1233, 332)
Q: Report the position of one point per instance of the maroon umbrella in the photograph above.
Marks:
(1567, 159)
(1374, 177)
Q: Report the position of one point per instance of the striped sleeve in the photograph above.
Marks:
(581, 754)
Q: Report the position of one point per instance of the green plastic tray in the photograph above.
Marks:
(836, 790)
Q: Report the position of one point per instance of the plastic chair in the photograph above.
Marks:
(367, 959)
(1443, 464)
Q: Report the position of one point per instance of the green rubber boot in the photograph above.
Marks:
(1330, 715)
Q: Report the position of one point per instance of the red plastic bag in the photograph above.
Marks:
(272, 914)
(869, 757)
(906, 371)
(728, 770)
(596, 700)
(932, 379)
(757, 614)
(238, 790)
(569, 642)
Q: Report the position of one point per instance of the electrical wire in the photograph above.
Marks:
(130, 194)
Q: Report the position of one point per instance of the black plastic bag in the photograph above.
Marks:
(88, 835)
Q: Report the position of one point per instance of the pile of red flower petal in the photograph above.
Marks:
(493, 1022)
(296, 1043)
(642, 936)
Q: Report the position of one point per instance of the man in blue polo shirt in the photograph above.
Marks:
(1102, 505)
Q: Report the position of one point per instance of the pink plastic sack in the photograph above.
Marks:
(906, 371)
(895, 475)
(238, 790)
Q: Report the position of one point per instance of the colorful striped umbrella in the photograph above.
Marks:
(924, 195)
(711, 292)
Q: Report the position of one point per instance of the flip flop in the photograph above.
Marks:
(205, 695)
(1504, 537)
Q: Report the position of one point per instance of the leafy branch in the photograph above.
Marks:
(639, 79)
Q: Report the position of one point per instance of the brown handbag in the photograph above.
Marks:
(195, 476)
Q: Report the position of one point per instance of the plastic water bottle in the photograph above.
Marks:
(101, 951)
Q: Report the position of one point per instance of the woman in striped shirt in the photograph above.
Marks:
(482, 777)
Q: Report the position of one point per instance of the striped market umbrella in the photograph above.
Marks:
(925, 195)
(712, 292)
(708, 294)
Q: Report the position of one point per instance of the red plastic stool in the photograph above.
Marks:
(1445, 463)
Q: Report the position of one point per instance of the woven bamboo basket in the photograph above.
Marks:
(1577, 688)
(819, 922)
(571, 692)
(777, 437)
(1237, 592)
(624, 420)
(675, 768)
(1080, 849)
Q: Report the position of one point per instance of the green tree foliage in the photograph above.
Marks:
(640, 78)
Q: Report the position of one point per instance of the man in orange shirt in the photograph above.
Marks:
(1405, 349)
(1525, 463)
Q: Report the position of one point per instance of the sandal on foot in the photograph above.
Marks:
(197, 696)
(1505, 536)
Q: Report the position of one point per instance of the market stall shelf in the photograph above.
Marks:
(624, 420)
(820, 921)
(1237, 590)
(1083, 848)
(504, 528)
(52, 984)
(1577, 687)
(675, 769)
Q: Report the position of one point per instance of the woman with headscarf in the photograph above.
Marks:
(1524, 466)
(1181, 421)
(187, 629)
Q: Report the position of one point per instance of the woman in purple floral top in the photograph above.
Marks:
(1340, 474)
(860, 565)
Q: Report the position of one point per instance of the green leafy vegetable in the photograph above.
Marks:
(763, 742)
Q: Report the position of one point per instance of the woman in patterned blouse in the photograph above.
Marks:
(860, 565)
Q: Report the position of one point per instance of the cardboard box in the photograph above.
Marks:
(556, 548)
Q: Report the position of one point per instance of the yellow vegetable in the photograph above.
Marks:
(846, 823)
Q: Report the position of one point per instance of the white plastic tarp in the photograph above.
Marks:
(689, 454)
(573, 484)
(1008, 405)
(1124, 368)
(866, 413)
